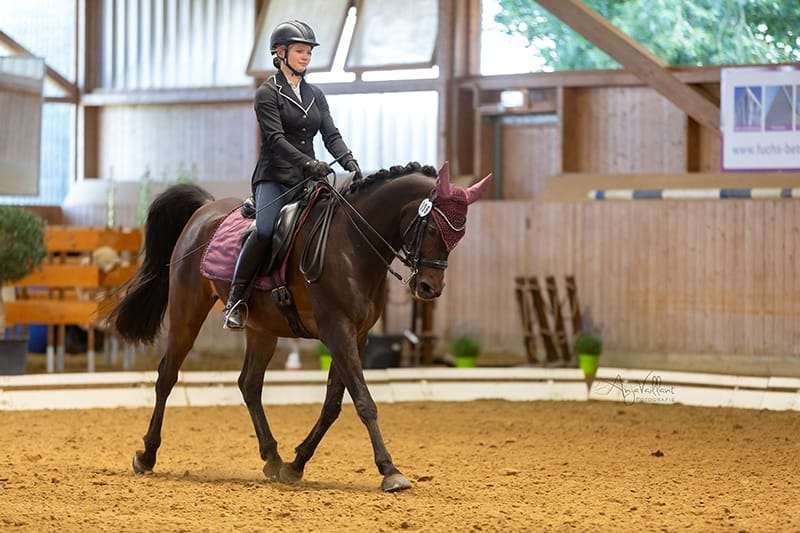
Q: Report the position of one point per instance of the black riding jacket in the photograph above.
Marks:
(288, 128)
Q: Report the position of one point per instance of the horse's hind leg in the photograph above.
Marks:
(183, 329)
(260, 347)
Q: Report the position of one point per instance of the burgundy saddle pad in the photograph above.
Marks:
(220, 257)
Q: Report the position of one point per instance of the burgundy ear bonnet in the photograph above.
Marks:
(450, 206)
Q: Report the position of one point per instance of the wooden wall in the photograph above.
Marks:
(622, 129)
(219, 140)
(530, 157)
(598, 130)
(661, 276)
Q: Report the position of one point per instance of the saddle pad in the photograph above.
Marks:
(220, 257)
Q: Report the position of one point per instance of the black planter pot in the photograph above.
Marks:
(13, 355)
(383, 351)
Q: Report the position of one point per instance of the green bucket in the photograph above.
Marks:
(324, 362)
(465, 361)
(588, 363)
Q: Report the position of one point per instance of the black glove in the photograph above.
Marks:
(316, 169)
(352, 166)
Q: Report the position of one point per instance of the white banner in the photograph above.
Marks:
(760, 108)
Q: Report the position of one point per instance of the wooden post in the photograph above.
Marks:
(574, 305)
(61, 344)
(555, 306)
(51, 351)
(523, 302)
(544, 324)
(428, 337)
(90, 350)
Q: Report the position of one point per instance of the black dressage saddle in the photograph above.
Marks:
(284, 230)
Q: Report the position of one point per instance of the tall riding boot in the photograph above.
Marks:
(250, 259)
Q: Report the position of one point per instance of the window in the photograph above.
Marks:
(521, 36)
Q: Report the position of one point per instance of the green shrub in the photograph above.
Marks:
(465, 347)
(21, 247)
(588, 344)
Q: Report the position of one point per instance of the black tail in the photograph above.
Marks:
(138, 316)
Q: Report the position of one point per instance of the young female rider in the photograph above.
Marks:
(290, 112)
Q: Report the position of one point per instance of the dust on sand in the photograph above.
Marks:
(475, 466)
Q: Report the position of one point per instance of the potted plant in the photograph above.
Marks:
(21, 250)
(465, 350)
(324, 357)
(588, 347)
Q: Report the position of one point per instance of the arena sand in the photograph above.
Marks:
(479, 466)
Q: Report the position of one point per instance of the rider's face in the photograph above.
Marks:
(299, 56)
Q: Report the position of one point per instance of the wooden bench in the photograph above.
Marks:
(67, 287)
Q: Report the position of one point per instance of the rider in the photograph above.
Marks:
(290, 112)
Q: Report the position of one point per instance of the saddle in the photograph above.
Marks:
(220, 256)
(282, 235)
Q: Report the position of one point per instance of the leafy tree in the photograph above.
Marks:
(680, 32)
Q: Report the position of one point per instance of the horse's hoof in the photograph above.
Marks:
(288, 474)
(395, 483)
(272, 470)
(139, 465)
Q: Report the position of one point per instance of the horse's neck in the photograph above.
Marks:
(382, 206)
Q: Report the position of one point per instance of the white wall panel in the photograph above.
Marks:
(151, 44)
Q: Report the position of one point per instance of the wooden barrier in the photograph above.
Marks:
(65, 290)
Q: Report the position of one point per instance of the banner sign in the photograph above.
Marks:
(760, 108)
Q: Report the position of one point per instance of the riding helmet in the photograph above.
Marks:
(291, 32)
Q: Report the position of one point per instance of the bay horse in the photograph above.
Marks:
(339, 308)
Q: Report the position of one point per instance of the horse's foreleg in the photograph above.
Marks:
(346, 357)
(330, 412)
(260, 348)
(182, 332)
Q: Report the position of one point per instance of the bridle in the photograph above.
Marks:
(410, 252)
(417, 229)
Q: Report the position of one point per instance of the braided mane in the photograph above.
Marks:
(385, 175)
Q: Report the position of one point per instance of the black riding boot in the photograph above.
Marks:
(250, 258)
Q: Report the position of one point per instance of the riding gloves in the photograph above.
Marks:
(316, 169)
(352, 166)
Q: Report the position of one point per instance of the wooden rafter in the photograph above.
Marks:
(49, 72)
(635, 58)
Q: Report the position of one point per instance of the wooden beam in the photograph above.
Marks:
(635, 58)
(49, 72)
(57, 276)
(216, 95)
(51, 312)
(85, 239)
(584, 78)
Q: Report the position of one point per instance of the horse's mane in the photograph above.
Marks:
(385, 175)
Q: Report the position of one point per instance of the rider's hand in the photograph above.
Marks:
(352, 166)
(316, 169)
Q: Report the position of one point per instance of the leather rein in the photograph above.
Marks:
(410, 253)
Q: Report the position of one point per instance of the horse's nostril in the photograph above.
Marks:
(425, 288)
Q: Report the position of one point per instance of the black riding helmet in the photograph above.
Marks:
(290, 32)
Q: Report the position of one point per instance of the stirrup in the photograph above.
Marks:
(229, 323)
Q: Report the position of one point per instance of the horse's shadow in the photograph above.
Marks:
(215, 479)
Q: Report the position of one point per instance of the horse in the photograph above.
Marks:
(339, 308)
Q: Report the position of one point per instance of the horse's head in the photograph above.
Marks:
(430, 244)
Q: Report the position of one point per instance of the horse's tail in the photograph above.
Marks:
(138, 315)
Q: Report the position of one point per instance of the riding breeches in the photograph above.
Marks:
(256, 247)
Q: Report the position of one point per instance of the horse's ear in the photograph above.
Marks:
(443, 181)
(476, 191)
